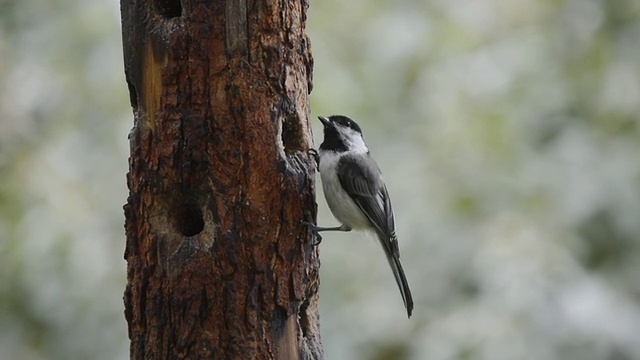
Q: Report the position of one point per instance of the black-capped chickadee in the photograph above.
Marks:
(356, 193)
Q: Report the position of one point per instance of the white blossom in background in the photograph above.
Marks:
(507, 132)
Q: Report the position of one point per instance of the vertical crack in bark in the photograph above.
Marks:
(133, 94)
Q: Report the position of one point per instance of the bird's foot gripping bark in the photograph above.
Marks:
(316, 229)
(317, 237)
(316, 157)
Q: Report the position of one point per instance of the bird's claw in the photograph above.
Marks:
(315, 233)
(318, 240)
(316, 157)
(311, 226)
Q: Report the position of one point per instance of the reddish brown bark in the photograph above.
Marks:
(219, 264)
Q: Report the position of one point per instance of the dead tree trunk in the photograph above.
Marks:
(219, 264)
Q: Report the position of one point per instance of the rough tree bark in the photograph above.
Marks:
(219, 264)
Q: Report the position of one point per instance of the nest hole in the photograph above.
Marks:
(169, 8)
(292, 136)
(188, 218)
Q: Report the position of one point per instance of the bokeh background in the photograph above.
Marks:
(508, 133)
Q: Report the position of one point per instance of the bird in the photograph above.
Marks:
(356, 193)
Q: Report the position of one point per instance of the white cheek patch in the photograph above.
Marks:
(353, 140)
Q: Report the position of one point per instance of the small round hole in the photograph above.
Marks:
(169, 8)
(189, 219)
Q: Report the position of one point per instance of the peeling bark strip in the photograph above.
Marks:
(219, 265)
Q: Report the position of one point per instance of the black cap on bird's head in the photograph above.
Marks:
(340, 133)
(339, 120)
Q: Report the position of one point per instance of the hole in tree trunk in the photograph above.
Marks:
(292, 135)
(188, 218)
(169, 8)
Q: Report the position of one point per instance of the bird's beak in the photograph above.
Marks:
(324, 121)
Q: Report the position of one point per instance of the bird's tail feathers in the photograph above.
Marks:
(394, 261)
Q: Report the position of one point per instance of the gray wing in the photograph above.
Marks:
(363, 182)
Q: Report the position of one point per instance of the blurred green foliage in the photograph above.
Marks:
(508, 133)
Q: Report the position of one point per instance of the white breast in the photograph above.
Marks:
(343, 208)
